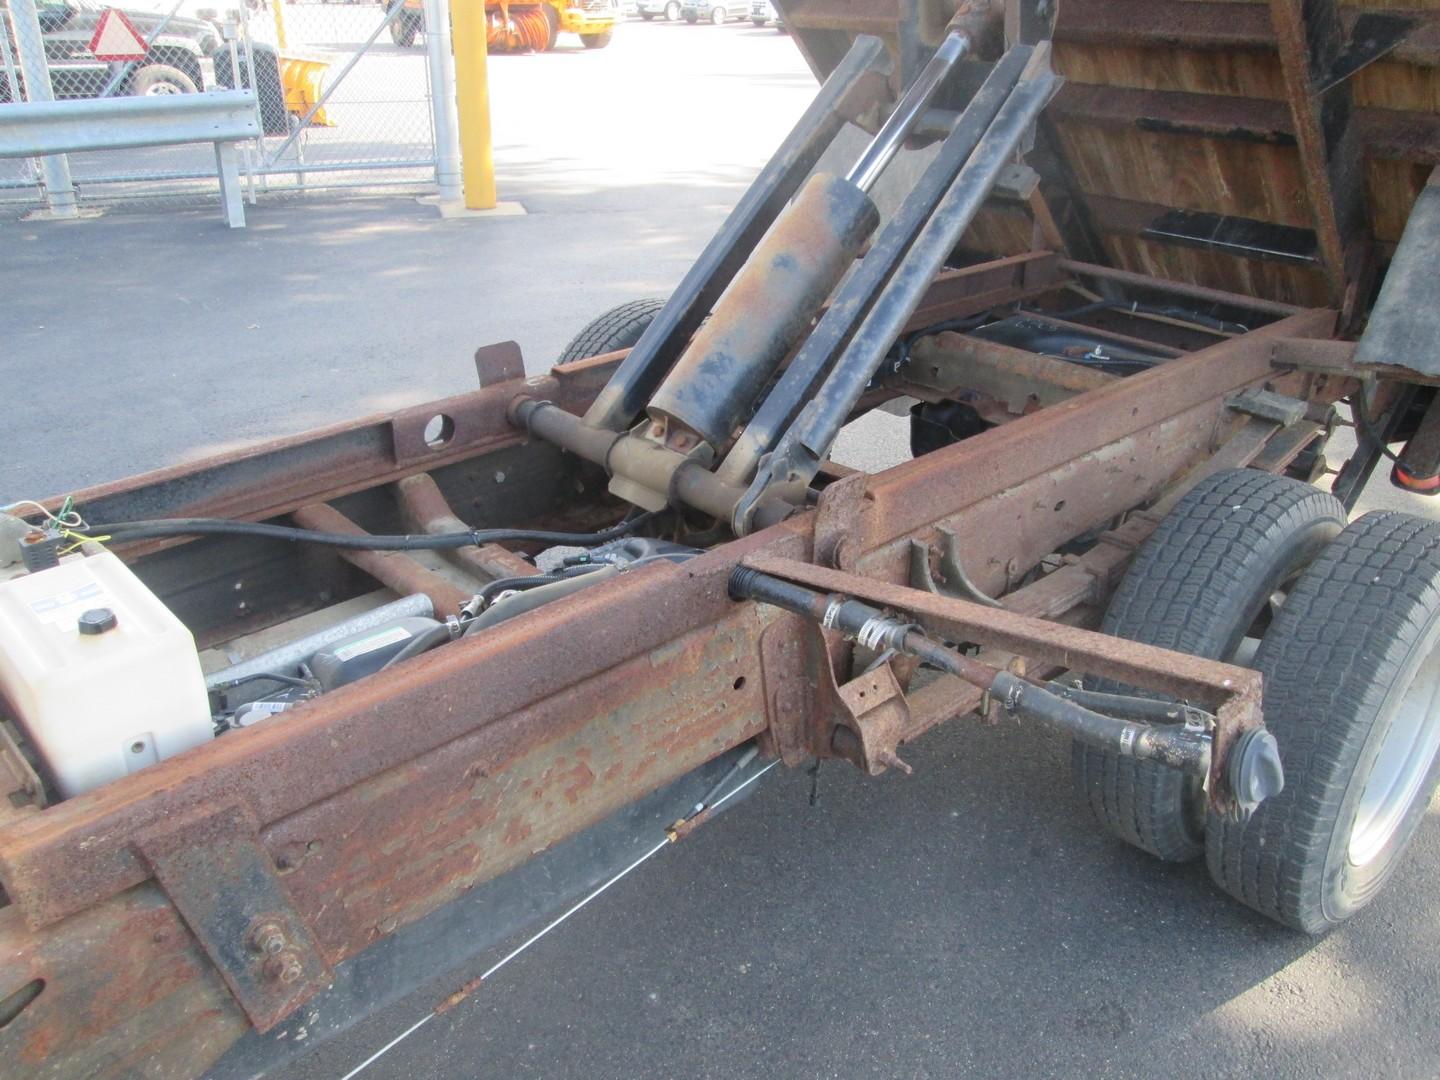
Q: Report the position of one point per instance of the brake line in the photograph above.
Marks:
(674, 834)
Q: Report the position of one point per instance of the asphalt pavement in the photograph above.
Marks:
(969, 920)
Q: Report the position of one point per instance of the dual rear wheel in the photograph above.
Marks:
(1344, 623)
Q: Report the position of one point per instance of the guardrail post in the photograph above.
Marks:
(29, 43)
(472, 100)
(442, 100)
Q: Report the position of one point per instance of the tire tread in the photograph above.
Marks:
(1179, 593)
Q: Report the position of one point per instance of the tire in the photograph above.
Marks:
(647, 15)
(672, 11)
(1199, 585)
(269, 87)
(1352, 675)
(618, 328)
(552, 26)
(718, 16)
(597, 41)
(759, 24)
(403, 31)
(159, 79)
(692, 19)
(936, 425)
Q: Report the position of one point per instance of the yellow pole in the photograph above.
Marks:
(277, 6)
(472, 103)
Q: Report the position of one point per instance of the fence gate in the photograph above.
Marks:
(343, 93)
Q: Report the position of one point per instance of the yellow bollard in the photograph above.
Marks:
(472, 103)
(277, 6)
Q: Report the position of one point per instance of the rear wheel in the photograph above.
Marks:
(1352, 695)
(618, 328)
(404, 29)
(597, 41)
(757, 23)
(1207, 582)
(718, 16)
(647, 15)
(155, 80)
(672, 11)
(552, 27)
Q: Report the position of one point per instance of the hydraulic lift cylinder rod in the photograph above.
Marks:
(906, 115)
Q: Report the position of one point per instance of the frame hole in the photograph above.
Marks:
(439, 430)
(738, 684)
(16, 1003)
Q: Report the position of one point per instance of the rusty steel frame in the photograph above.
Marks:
(382, 801)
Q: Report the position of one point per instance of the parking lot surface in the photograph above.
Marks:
(970, 920)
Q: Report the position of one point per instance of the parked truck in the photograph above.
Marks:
(525, 27)
(298, 728)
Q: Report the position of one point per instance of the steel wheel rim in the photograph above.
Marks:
(1401, 765)
(163, 89)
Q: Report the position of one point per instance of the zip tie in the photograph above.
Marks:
(474, 984)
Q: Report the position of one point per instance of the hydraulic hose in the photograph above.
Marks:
(167, 527)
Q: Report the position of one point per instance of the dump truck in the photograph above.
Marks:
(525, 27)
(298, 728)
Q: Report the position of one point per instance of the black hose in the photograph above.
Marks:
(530, 581)
(268, 676)
(150, 530)
(430, 639)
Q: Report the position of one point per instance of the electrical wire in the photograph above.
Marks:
(66, 519)
(470, 987)
(268, 676)
(170, 527)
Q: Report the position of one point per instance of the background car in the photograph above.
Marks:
(762, 12)
(692, 11)
(649, 9)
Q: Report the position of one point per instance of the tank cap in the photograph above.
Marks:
(95, 621)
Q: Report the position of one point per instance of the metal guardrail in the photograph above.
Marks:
(223, 117)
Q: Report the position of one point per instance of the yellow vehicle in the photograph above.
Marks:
(525, 27)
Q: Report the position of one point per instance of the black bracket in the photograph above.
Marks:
(223, 882)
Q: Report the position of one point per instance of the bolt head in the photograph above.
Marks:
(284, 968)
(268, 938)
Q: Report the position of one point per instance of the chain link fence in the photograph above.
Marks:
(343, 99)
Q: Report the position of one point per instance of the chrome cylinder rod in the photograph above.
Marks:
(907, 113)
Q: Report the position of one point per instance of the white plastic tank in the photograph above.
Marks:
(98, 695)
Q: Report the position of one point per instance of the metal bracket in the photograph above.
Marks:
(790, 650)
(837, 522)
(874, 718)
(498, 363)
(957, 583)
(223, 882)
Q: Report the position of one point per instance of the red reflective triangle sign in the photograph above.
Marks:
(116, 37)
